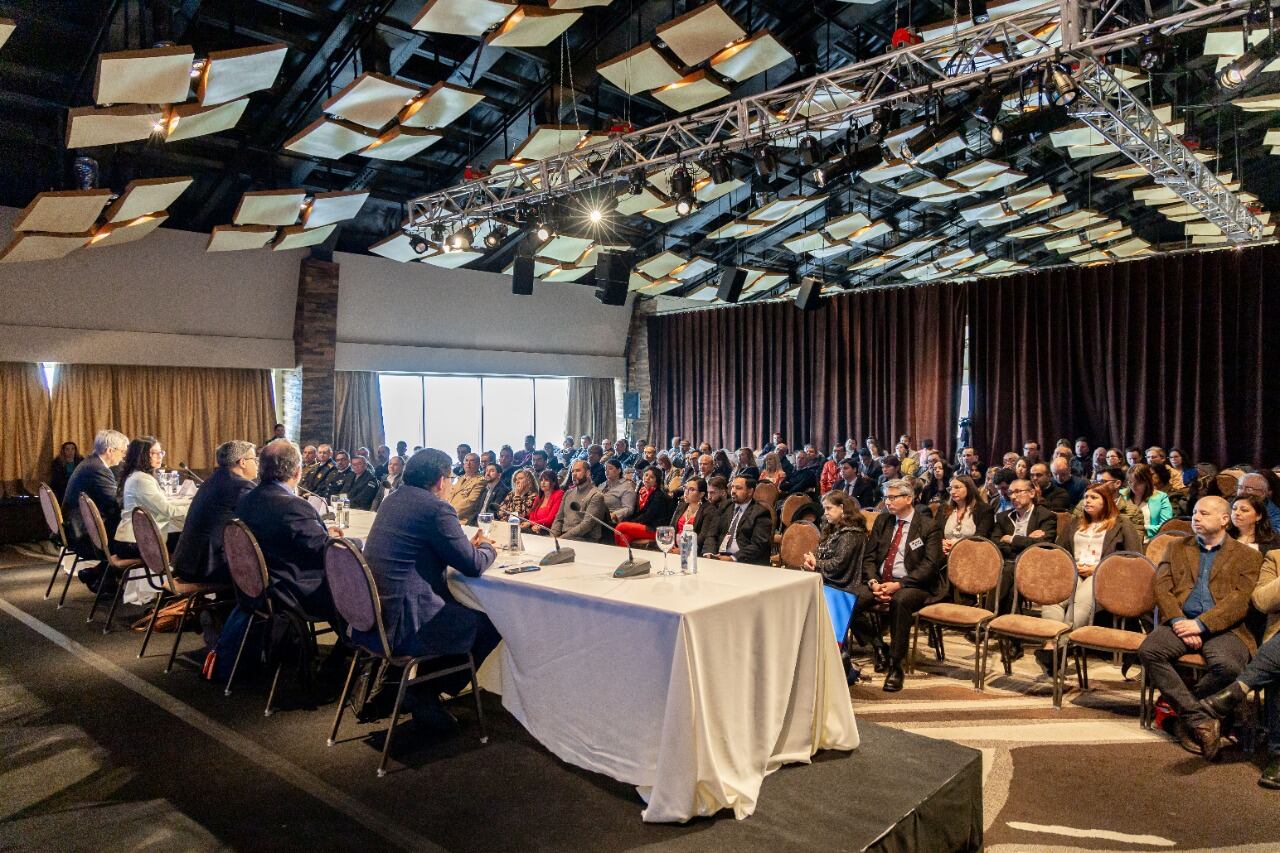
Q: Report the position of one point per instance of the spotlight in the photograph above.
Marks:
(1240, 71)
(595, 216)
(1064, 85)
(718, 168)
(882, 120)
(1038, 121)
(637, 181)
(810, 151)
(437, 233)
(930, 136)
(461, 239)
(496, 236)
(766, 163)
(851, 163)
(544, 231)
(988, 103)
(686, 204)
(419, 245)
(978, 11)
(681, 182)
(1152, 49)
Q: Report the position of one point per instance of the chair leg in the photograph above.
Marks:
(177, 634)
(151, 624)
(1057, 675)
(475, 692)
(342, 700)
(115, 601)
(98, 595)
(236, 663)
(1006, 655)
(272, 694)
(1084, 667)
(62, 555)
(1144, 720)
(395, 718)
(915, 642)
(941, 646)
(980, 657)
(66, 584)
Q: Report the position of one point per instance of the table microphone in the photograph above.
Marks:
(182, 466)
(631, 567)
(559, 555)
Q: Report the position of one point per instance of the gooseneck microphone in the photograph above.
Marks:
(182, 466)
(631, 567)
(559, 555)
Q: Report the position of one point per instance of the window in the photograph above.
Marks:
(485, 412)
(50, 369)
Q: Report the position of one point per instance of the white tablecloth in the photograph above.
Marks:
(692, 688)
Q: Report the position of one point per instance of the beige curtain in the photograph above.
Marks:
(592, 408)
(357, 411)
(190, 409)
(26, 450)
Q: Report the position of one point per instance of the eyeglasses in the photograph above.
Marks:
(894, 497)
(1020, 491)
(157, 452)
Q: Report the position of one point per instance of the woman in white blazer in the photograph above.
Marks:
(139, 488)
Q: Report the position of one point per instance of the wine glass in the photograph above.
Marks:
(666, 539)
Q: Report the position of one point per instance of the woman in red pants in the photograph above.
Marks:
(653, 510)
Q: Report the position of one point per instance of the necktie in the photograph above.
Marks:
(886, 571)
(733, 528)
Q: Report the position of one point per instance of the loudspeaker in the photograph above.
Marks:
(809, 296)
(631, 406)
(613, 272)
(522, 276)
(731, 282)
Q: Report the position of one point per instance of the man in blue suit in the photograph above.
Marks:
(415, 537)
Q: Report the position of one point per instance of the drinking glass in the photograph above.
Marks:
(666, 539)
(483, 520)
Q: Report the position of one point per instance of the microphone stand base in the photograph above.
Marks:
(631, 569)
(556, 558)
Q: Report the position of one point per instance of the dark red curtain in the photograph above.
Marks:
(1170, 351)
(877, 363)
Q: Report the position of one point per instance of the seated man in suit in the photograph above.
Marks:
(803, 479)
(414, 540)
(746, 528)
(364, 485)
(340, 479)
(1017, 530)
(391, 482)
(903, 570)
(289, 531)
(582, 499)
(1202, 590)
(199, 557)
(854, 483)
(1052, 496)
(314, 481)
(492, 493)
(94, 477)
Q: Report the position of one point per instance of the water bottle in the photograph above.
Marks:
(688, 552)
(513, 542)
(345, 520)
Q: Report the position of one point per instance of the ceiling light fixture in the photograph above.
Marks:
(637, 181)
(595, 216)
(437, 233)
(810, 151)
(1063, 83)
(849, 164)
(1028, 123)
(544, 231)
(1153, 48)
(719, 170)
(987, 104)
(461, 239)
(1240, 71)
(766, 162)
(419, 245)
(978, 11)
(496, 236)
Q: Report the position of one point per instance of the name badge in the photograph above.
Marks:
(916, 543)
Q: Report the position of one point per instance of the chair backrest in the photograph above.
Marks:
(789, 507)
(1123, 584)
(354, 590)
(1176, 525)
(93, 525)
(673, 484)
(767, 493)
(1227, 483)
(974, 565)
(244, 559)
(1160, 543)
(1063, 519)
(52, 513)
(870, 516)
(799, 539)
(152, 547)
(1045, 574)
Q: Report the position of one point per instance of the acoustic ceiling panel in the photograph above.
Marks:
(269, 207)
(371, 100)
(700, 33)
(690, 92)
(629, 205)
(229, 75)
(397, 247)
(297, 237)
(328, 208)
(747, 58)
(550, 140)
(562, 249)
(442, 104)
(462, 17)
(577, 4)
(36, 246)
(238, 238)
(187, 121)
(331, 139)
(640, 70)
(63, 212)
(531, 26)
(88, 127)
(401, 143)
(452, 260)
(842, 226)
(7, 26)
(119, 233)
(148, 195)
(661, 264)
(159, 75)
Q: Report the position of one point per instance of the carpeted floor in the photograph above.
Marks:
(91, 756)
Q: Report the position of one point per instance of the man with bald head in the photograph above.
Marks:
(1257, 486)
(1202, 591)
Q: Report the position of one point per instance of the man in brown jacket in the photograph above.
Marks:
(1202, 590)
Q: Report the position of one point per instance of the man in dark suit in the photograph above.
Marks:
(289, 531)
(94, 477)
(363, 489)
(1074, 486)
(340, 479)
(494, 492)
(1017, 530)
(747, 527)
(903, 569)
(316, 477)
(414, 540)
(803, 480)
(199, 557)
(855, 484)
(1052, 496)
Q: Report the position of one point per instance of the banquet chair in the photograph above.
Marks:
(58, 533)
(799, 539)
(973, 568)
(767, 494)
(155, 555)
(1044, 574)
(1063, 519)
(1226, 483)
(869, 515)
(251, 580)
(789, 508)
(1176, 525)
(1123, 585)
(355, 595)
(124, 569)
(1160, 543)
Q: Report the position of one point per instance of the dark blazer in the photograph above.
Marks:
(1041, 519)
(707, 524)
(414, 539)
(199, 557)
(58, 476)
(92, 477)
(338, 483)
(802, 480)
(315, 480)
(984, 518)
(496, 496)
(1056, 498)
(751, 472)
(922, 561)
(1120, 537)
(657, 510)
(293, 539)
(363, 490)
(841, 557)
(754, 534)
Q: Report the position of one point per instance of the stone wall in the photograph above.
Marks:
(637, 379)
(315, 339)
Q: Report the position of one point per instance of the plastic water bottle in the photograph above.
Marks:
(345, 518)
(688, 553)
(513, 523)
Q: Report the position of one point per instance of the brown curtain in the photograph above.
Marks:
(877, 363)
(1170, 351)
(592, 408)
(190, 409)
(357, 411)
(26, 451)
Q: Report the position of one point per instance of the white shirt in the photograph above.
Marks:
(142, 490)
(1088, 545)
(730, 543)
(1020, 524)
(899, 559)
(958, 528)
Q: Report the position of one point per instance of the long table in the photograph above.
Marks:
(693, 688)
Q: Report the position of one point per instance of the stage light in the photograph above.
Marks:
(930, 136)
(1240, 71)
(595, 216)
(544, 231)
(1064, 85)
(1038, 121)
(686, 204)
(845, 165)
(882, 120)
(496, 236)
(636, 181)
(461, 239)
(681, 182)
(988, 104)
(766, 163)
(978, 11)
(437, 233)
(810, 151)
(419, 245)
(719, 170)
(1153, 47)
